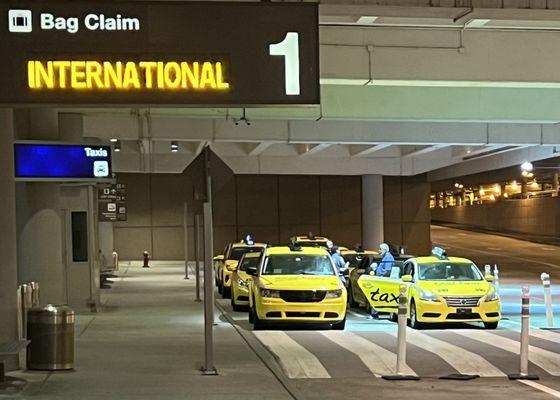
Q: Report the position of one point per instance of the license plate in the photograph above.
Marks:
(464, 310)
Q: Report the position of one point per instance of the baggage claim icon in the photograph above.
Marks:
(20, 21)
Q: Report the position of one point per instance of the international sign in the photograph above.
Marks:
(165, 53)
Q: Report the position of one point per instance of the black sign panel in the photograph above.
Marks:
(159, 53)
(111, 201)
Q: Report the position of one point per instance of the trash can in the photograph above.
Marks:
(51, 332)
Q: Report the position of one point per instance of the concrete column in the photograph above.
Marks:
(8, 241)
(372, 211)
(555, 184)
(106, 244)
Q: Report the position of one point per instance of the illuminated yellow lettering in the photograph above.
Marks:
(131, 76)
(31, 74)
(148, 67)
(160, 82)
(61, 67)
(94, 75)
(113, 75)
(172, 75)
(78, 75)
(189, 76)
(208, 77)
(220, 77)
(44, 76)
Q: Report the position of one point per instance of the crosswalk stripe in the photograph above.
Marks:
(538, 333)
(465, 362)
(545, 359)
(376, 358)
(296, 361)
(542, 388)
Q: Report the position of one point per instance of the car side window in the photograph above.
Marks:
(408, 269)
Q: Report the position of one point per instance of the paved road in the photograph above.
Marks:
(327, 364)
(517, 260)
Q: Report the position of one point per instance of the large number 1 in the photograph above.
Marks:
(289, 48)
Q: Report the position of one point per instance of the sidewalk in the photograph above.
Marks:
(148, 343)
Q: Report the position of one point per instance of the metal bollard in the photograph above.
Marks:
(487, 270)
(115, 261)
(524, 340)
(547, 299)
(496, 278)
(146, 259)
(36, 299)
(401, 340)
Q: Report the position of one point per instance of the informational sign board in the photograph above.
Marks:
(165, 53)
(62, 162)
(112, 203)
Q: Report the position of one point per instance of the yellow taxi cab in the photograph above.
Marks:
(310, 240)
(360, 264)
(240, 280)
(226, 264)
(440, 289)
(296, 284)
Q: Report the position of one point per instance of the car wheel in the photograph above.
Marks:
(351, 302)
(226, 292)
(251, 315)
(491, 325)
(258, 324)
(339, 326)
(414, 323)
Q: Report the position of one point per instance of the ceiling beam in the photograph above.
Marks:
(255, 149)
(424, 150)
(305, 150)
(360, 151)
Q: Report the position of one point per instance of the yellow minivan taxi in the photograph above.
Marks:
(296, 284)
(226, 264)
(240, 280)
(440, 289)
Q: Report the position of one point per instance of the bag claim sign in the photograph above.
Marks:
(169, 53)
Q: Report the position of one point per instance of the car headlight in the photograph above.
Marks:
(334, 294)
(427, 295)
(241, 282)
(492, 295)
(270, 293)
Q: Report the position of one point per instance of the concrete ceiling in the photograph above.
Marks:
(406, 87)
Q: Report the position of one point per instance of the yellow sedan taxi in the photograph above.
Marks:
(240, 280)
(440, 289)
(226, 264)
(296, 284)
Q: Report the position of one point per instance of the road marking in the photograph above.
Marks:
(296, 361)
(506, 256)
(378, 360)
(536, 332)
(463, 361)
(545, 359)
(542, 388)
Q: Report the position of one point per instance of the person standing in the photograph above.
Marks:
(383, 268)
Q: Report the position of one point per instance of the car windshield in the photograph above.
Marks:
(450, 271)
(249, 262)
(298, 264)
(237, 252)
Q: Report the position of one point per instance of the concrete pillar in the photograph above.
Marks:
(39, 224)
(106, 244)
(372, 211)
(555, 184)
(8, 241)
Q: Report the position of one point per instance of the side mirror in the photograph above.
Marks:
(219, 258)
(251, 271)
(406, 278)
(489, 278)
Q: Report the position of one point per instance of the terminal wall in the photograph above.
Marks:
(270, 207)
(529, 216)
(406, 212)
